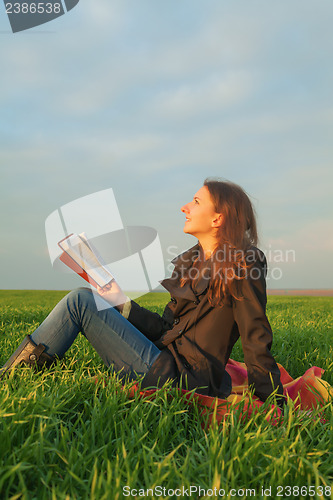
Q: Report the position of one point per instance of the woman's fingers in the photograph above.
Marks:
(104, 289)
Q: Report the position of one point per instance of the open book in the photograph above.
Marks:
(82, 257)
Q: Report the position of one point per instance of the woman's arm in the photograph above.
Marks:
(255, 332)
(151, 324)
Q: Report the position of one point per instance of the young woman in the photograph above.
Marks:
(218, 294)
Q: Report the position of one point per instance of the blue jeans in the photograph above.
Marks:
(115, 339)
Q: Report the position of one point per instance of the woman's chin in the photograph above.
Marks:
(187, 230)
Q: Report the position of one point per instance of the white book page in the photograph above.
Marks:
(95, 252)
(78, 247)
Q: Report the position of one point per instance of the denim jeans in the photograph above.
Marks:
(115, 339)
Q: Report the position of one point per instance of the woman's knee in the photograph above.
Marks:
(80, 296)
(83, 299)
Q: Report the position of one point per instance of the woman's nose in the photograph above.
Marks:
(184, 208)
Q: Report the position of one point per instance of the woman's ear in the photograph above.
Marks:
(217, 221)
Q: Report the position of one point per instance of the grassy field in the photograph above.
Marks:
(64, 436)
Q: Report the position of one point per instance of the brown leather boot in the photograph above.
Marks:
(30, 354)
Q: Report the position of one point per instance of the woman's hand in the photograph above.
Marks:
(113, 294)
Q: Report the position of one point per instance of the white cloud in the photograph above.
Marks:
(208, 95)
(135, 147)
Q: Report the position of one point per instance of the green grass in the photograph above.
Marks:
(64, 436)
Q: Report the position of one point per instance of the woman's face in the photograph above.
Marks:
(201, 218)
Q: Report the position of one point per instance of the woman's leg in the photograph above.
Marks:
(115, 339)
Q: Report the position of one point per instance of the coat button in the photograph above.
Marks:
(174, 301)
(196, 302)
(176, 321)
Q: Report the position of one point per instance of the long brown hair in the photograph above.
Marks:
(236, 235)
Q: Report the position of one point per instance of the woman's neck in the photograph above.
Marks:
(207, 247)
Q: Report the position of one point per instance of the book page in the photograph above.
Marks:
(77, 247)
(93, 249)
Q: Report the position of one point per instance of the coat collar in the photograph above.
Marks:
(182, 263)
(185, 259)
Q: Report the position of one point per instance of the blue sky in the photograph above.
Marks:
(149, 98)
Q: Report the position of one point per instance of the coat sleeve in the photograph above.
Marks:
(256, 334)
(151, 324)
